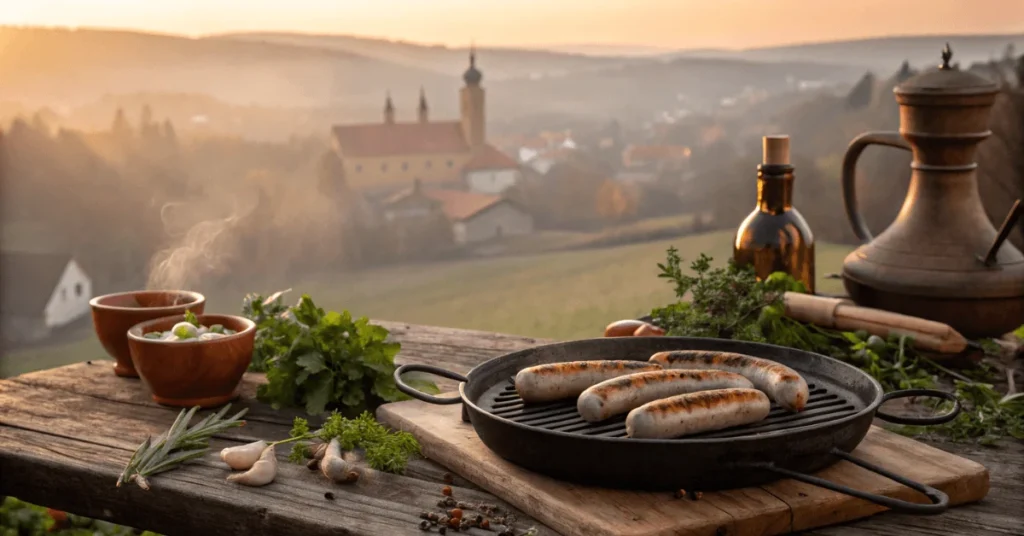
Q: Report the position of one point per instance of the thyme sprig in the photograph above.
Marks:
(178, 445)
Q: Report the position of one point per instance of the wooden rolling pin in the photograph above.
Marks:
(844, 315)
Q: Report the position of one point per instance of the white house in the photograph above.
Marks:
(491, 171)
(40, 292)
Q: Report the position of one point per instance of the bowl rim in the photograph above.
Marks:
(171, 309)
(250, 327)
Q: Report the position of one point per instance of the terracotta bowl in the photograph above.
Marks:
(114, 314)
(195, 372)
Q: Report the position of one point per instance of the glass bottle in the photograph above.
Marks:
(775, 237)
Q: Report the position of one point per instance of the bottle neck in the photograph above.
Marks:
(774, 188)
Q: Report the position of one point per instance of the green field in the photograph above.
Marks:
(568, 294)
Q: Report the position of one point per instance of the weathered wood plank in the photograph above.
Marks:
(47, 432)
(775, 508)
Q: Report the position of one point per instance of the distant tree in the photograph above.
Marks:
(1020, 71)
(862, 93)
(120, 128)
(613, 202)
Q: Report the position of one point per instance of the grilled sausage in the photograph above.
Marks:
(623, 328)
(543, 383)
(619, 395)
(649, 330)
(693, 413)
(787, 388)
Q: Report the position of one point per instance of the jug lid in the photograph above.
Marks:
(946, 79)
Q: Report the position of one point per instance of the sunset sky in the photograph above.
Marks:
(661, 23)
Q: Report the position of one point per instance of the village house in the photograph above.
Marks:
(644, 163)
(473, 216)
(39, 293)
(382, 157)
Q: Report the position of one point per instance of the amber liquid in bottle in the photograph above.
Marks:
(775, 237)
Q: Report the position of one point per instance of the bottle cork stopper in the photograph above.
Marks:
(776, 150)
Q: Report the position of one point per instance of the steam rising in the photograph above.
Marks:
(201, 252)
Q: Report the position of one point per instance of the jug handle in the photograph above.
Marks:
(853, 152)
(1004, 232)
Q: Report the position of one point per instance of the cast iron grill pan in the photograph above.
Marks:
(552, 439)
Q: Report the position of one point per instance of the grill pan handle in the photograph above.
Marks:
(430, 369)
(939, 500)
(919, 421)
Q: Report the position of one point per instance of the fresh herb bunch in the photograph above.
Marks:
(322, 360)
(731, 303)
(385, 450)
(177, 446)
(19, 518)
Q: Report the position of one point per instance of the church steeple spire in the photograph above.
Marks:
(389, 110)
(422, 111)
(472, 76)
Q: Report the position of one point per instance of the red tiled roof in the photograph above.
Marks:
(490, 157)
(456, 204)
(382, 139)
(459, 204)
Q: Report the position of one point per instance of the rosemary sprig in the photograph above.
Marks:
(176, 446)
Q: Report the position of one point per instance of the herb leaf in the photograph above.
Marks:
(321, 360)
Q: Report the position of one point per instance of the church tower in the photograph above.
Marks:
(422, 111)
(389, 110)
(471, 99)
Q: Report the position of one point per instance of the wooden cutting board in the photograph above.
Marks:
(775, 508)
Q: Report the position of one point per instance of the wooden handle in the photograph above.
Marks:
(843, 315)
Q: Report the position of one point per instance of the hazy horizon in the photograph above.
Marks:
(655, 24)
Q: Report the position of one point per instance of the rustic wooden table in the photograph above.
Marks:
(66, 433)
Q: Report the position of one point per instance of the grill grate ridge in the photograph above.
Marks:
(822, 406)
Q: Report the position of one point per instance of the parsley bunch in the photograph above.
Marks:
(322, 360)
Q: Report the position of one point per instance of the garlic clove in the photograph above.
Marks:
(334, 466)
(261, 473)
(243, 457)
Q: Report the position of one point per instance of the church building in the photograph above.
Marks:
(391, 155)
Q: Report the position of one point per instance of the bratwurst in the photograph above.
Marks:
(619, 395)
(693, 413)
(787, 388)
(555, 381)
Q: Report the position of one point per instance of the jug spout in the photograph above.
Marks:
(1004, 232)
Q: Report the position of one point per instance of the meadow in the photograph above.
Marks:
(560, 295)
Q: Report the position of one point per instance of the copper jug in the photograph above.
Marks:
(941, 259)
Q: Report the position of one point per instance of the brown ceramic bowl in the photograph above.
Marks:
(194, 372)
(114, 314)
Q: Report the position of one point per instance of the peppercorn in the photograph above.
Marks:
(479, 519)
(453, 522)
(424, 525)
(465, 525)
(455, 512)
(443, 520)
(432, 516)
(442, 530)
(485, 524)
(448, 478)
(440, 503)
(446, 491)
(449, 501)
(424, 515)
(695, 495)
(680, 493)
(329, 496)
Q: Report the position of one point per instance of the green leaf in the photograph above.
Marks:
(312, 362)
(318, 390)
